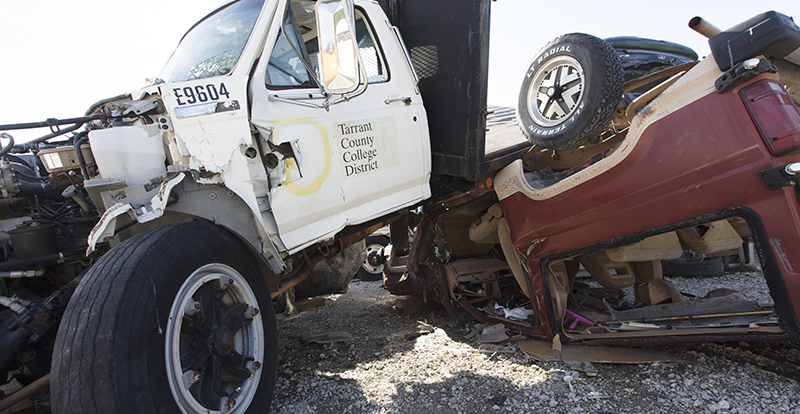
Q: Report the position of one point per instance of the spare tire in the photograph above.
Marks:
(570, 92)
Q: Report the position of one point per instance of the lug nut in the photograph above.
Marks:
(190, 378)
(250, 312)
(224, 282)
(252, 366)
(192, 307)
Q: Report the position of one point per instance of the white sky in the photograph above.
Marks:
(59, 57)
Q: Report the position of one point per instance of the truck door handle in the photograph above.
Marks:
(406, 100)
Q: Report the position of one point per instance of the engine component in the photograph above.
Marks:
(34, 241)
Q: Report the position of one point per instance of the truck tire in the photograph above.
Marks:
(368, 271)
(332, 275)
(176, 319)
(570, 93)
(713, 266)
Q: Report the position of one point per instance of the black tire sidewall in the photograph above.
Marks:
(601, 92)
(713, 266)
(138, 380)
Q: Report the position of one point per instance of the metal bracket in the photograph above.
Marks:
(782, 176)
(743, 71)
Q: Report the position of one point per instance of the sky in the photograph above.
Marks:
(59, 57)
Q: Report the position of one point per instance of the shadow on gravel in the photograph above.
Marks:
(464, 391)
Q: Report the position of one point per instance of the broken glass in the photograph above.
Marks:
(213, 46)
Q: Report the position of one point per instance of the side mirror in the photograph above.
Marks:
(338, 52)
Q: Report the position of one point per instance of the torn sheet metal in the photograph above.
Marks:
(543, 351)
(145, 210)
(736, 302)
(99, 231)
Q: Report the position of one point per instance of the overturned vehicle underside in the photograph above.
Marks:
(593, 239)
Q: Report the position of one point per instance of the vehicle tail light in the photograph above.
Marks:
(775, 115)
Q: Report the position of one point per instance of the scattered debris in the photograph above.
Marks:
(308, 304)
(557, 342)
(578, 319)
(326, 338)
(568, 379)
(518, 314)
(422, 329)
(493, 334)
(583, 366)
(476, 331)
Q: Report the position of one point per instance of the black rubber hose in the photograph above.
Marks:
(6, 149)
(79, 140)
(18, 160)
(27, 176)
(35, 188)
(52, 122)
(23, 264)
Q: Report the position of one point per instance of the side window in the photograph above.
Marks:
(296, 50)
(290, 61)
(371, 57)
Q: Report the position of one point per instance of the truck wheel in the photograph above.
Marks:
(332, 275)
(370, 270)
(713, 266)
(176, 319)
(570, 92)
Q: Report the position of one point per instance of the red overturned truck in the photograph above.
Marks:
(699, 159)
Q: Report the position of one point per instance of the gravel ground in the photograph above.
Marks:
(442, 373)
(382, 372)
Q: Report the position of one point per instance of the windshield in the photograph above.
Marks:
(214, 45)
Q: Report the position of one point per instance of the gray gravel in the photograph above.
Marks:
(382, 372)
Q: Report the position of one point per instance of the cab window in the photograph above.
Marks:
(295, 54)
(213, 46)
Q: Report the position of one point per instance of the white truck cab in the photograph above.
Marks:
(250, 103)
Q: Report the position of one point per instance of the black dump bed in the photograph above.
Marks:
(448, 41)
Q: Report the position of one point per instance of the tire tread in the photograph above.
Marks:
(102, 316)
(611, 76)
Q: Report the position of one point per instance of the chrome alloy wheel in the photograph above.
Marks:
(556, 91)
(214, 342)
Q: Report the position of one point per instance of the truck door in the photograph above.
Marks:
(334, 164)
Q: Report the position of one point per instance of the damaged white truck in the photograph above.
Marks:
(141, 252)
(155, 236)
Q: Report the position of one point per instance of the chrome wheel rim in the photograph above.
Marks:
(556, 91)
(372, 251)
(214, 342)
